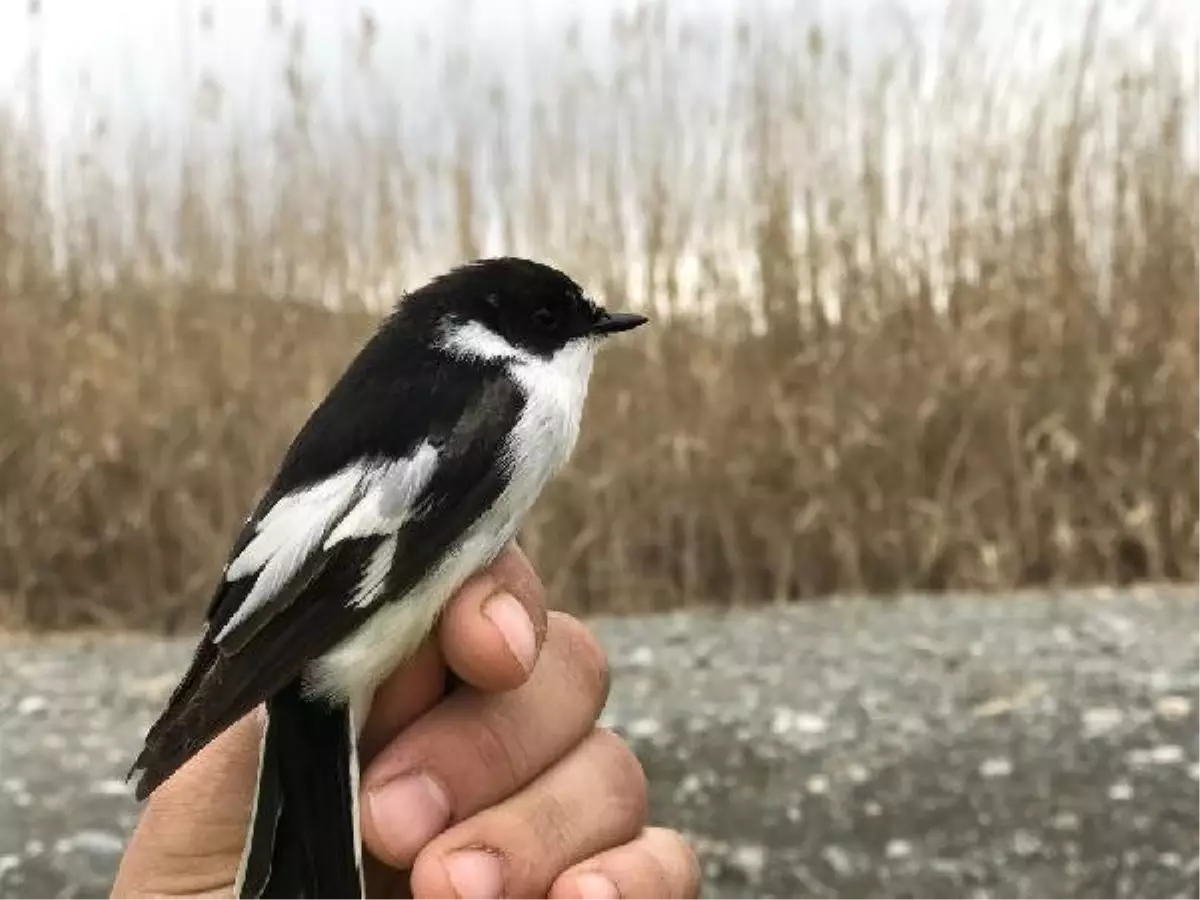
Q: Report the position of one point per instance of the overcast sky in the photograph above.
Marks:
(138, 63)
(142, 57)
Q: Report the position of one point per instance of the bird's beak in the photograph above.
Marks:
(611, 323)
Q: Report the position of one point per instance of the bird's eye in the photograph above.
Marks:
(546, 318)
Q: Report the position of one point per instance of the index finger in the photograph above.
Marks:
(492, 630)
(470, 641)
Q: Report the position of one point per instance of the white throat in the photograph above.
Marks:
(563, 376)
(555, 391)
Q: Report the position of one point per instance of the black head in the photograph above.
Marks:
(533, 306)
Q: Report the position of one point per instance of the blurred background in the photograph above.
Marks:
(924, 282)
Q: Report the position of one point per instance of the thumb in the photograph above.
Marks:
(188, 841)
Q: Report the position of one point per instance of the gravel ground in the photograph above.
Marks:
(1016, 746)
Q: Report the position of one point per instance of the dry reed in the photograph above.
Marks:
(919, 325)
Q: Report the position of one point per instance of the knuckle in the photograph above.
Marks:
(627, 783)
(586, 659)
(533, 840)
(677, 863)
(553, 826)
(499, 749)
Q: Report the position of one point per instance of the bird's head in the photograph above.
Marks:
(531, 307)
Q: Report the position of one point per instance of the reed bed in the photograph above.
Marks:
(923, 318)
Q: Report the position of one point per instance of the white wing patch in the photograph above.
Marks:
(292, 517)
(363, 499)
(284, 538)
(372, 581)
(389, 499)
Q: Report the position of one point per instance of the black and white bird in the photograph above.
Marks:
(410, 476)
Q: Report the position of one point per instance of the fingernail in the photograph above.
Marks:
(408, 813)
(594, 886)
(475, 873)
(508, 615)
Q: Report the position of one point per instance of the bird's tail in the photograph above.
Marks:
(303, 839)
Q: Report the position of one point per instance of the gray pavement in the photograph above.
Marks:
(1025, 745)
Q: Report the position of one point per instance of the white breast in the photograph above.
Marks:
(541, 442)
(545, 435)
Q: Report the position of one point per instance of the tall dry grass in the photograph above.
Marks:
(921, 321)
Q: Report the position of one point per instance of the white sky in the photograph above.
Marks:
(140, 55)
(137, 63)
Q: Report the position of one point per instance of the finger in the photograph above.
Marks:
(657, 863)
(189, 838)
(591, 800)
(471, 642)
(406, 694)
(492, 630)
(474, 749)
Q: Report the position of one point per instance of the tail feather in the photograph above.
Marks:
(303, 839)
(254, 870)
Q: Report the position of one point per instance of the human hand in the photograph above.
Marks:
(503, 787)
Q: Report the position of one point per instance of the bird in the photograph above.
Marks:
(411, 475)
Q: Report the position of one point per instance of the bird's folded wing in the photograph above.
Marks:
(445, 480)
(300, 535)
(305, 573)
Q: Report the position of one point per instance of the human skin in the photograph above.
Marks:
(504, 786)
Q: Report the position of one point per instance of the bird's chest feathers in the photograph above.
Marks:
(546, 431)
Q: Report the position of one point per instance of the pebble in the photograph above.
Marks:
(642, 657)
(838, 859)
(817, 784)
(98, 843)
(111, 787)
(1161, 755)
(996, 767)
(27, 706)
(1120, 790)
(644, 728)
(790, 721)
(750, 860)
(1101, 720)
(869, 788)
(1173, 706)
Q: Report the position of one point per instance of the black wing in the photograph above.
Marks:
(238, 664)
